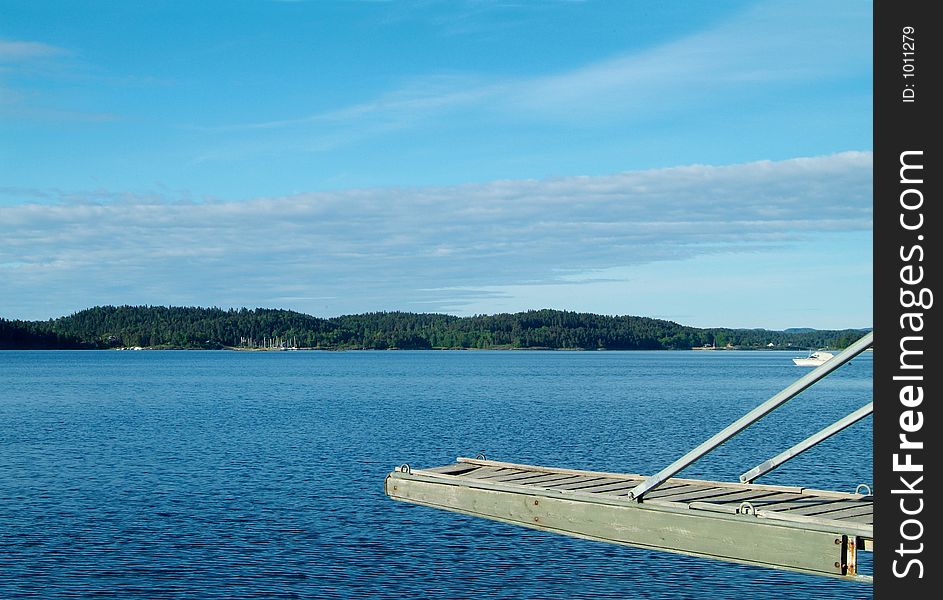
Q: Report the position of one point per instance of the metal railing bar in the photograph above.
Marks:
(812, 440)
(754, 415)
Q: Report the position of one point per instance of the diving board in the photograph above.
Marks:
(798, 529)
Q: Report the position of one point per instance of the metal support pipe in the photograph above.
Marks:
(754, 415)
(812, 440)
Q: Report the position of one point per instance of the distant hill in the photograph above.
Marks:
(194, 327)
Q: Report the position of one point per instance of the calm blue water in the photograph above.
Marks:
(260, 475)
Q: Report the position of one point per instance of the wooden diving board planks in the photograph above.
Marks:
(696, 517)
(536, 478)
(493, 473)
(762, 497)
(719, 495)
(454, 469)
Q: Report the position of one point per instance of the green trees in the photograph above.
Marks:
(193, 327)
(35, 335)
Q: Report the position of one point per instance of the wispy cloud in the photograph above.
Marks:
(419, 102)
(721, 66)
(29, 65)
(19, 51)
(717, 65)
(391, 247)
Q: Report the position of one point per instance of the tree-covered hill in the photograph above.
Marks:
(192, 327)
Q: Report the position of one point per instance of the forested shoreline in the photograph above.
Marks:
(105, 327)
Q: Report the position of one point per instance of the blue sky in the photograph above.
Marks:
(708, 163)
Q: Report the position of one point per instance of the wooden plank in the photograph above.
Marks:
(489, 484)
(583, 483)
(771, 499)
(543, 478)
(735, 538)
(790, 504)
(867, 519)
(495, 463)
(603, 484)
(667, 491)
(717, 495)
(616, 488)
(669, 486)
(505, 474)
(517, 476)
(865, 530)
(477, 472)
(842, 527)
(454, 469)
(740, 486)
(757, 496)
(833, 494)
(565, 484)
(852, 512)
(828, 507)
(827, 494)
(809, 508)
(486, 472)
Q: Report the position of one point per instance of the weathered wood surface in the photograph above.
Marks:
(781, 527)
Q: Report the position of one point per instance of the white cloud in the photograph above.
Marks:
(19, 51)
(32, 64)
(717, 65)
(387, 248)
(771, 46)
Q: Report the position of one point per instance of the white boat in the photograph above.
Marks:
(814, 359)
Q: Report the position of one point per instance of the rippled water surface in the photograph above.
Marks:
(260, 475)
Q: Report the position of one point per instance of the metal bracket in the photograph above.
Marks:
(849, 556)
(746, 508)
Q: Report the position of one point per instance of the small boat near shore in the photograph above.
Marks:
(814, 359)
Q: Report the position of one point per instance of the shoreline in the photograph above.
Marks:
(455, 349)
